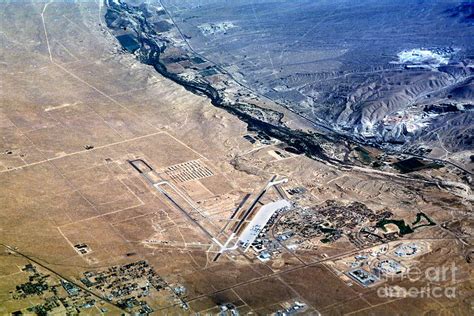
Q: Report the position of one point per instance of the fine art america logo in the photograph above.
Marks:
(438, 282)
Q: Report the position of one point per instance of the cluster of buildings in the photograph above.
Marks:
(260, 222)
(228, 309)
(127, 285)
(259, 138)
(364, 277)
(381, 263)
(56, 297)
(330, 221)
(293, 308)
(255, 234)
(407, 250)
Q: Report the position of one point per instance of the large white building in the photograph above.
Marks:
(259, 221)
